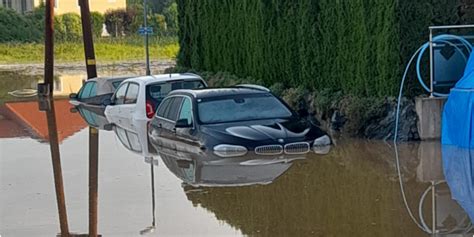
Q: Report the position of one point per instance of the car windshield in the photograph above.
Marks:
(158, 91)
(241, 108)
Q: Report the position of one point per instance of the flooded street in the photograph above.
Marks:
(49, 152)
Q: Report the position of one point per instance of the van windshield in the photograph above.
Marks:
(241, 108)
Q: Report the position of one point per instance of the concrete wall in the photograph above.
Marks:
(430, 112)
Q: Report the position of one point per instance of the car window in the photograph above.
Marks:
(115, 84)
(88, 90)
(120, 94)
(186, 111)
(132, 94)
(171, 112)
(162, 108)
(88, 116)
(93, 91)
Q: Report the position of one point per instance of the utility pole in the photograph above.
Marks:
(145, 24)
(49, 47)
(93, 132)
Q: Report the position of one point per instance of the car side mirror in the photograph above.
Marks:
(182, 123)
(73, 96)
(107, 102)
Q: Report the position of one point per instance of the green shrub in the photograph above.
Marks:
(68, 27)
(97, 21)
(16, 27)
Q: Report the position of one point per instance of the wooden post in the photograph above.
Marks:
(57, 170)
(49, 45)
(93, 133)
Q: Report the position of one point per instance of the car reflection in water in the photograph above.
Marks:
(207, 170)
(132, 134)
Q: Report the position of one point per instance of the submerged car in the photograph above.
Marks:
(97, 90)
(137, 98)
(232, 122)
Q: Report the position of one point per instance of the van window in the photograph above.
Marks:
(158, 91)
(120, 94)
(132, 94)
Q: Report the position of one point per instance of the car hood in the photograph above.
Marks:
(262, 130)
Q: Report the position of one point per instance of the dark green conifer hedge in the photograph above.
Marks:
(358, 47)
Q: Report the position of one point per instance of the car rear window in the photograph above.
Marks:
(158, 91)
(241, 108)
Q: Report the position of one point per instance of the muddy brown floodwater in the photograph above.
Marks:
(48, 187)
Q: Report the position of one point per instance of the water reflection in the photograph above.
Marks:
(48, 106)
(458, 166)
(199, 169)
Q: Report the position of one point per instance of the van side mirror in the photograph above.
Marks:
(73, 96)
(182, 123)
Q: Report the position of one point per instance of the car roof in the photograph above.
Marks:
(216, 92)
(163, 78)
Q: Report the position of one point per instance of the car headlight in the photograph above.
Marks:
(225, 150)
(322, 145)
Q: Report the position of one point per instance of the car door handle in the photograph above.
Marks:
(174, 130)
(159, 125)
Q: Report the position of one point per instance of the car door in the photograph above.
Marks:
(185, 137)
(167, 116)
(113, 111)
(129, 106)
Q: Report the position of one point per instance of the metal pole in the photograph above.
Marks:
(49, 45)
(431, 63)
(57, 170)
(153, 191)
(433, 207)
(145, 24)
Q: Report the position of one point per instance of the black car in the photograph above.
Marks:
(231, 122)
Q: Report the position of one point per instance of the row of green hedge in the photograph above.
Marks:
(358, 46)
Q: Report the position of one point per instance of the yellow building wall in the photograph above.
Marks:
(67, 6)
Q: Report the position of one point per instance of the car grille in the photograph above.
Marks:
(269, 150)
(297, 148)
(291, 148)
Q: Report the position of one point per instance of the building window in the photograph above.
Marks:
(56, 3)
(7, 3)
(23, 6)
